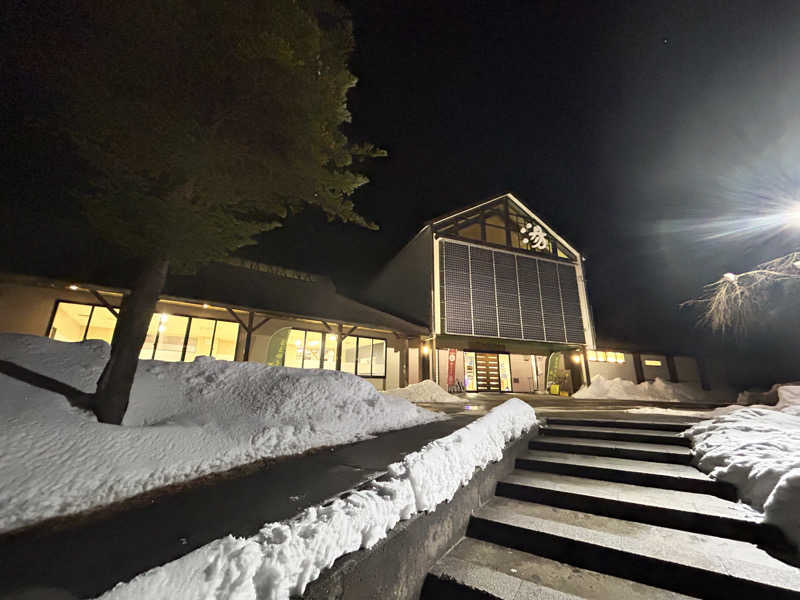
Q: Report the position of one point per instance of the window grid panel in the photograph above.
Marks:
(573, 319)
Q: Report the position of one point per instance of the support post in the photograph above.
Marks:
(586, 367)
(339, 347)
(434, 360)
(248, 336)
(673, 371)
(637, 366)
(403, 379)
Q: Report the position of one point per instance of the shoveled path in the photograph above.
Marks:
(611, 508)
(88, 555)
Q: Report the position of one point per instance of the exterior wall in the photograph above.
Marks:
(413, 365)
(686, 366)
(522, 379)
(403, 286)
(29, 309)
(444, 357)
(651, 373)
(625, 370)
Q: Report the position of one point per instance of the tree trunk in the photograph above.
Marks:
(114, 386)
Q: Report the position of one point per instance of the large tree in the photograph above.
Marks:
(202, 123)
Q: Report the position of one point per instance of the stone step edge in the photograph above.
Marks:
(621, 424)
(721, 489)
(620, 436)
(674, 576)
(715, 525)
(600, 450)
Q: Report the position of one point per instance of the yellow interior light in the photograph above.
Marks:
(592, 354)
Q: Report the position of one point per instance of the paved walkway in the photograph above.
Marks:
(601, 509)
(83, 557)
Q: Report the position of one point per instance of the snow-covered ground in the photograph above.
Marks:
(757, 448)
(622, 389)
(424, 391)
(284, 557)
(185, 420)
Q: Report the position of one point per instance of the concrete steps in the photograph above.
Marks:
(625, 470)
(478, 569)
(627, 434)
(618, 449)
(612, 509)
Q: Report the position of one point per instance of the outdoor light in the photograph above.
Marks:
(425, 350)
(164, 317)
(161, 328)
(729, 277)
(73, 287)
(576, 358)
(205, 305)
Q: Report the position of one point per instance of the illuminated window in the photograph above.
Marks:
(620, 357)
(313, 350)
(201, 335)
(471, 232)
(295, 345)
(69, 322)
(601, 356)
(505, 372)
(329, 358)
(101, 324)
(591, 355)
(166, 337)
(171, 337)
(605, 356)
(470, 381)
(652, 363)
(496, 235)
(349, 354)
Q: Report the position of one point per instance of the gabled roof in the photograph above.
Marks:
(518, 203)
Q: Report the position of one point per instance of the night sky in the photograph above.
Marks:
(643, 132)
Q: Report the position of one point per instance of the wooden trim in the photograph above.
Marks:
(113, 309)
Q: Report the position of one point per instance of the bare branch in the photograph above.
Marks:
(731, 302)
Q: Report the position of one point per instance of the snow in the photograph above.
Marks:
(185, 420)
(757, 448)
(424, 391)
(284, 557)
(622, 389)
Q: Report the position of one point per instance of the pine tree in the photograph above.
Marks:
(203, 123)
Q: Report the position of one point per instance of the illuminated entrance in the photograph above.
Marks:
(487, 372)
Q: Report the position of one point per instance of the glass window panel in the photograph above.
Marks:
(349, 355)
(101, 325)
(364, 356)
(276, 350)
(70, 322)
(620, 357)
(496, 220)
(201, 334)
(171, 335)
(470, 382)
(561, 253)
(329, 360)
(378, 358)
(591, 354)
(147, 348)
(471, 232)
(601, 355)
(496, 235)
(505, 372)
(515, 239)
(313, 351)
(225, 338)
(652, 363)
(295, 345)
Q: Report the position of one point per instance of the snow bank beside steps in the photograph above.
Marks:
(622, 389)
(758, 450)
(185, 420)
(286, 556)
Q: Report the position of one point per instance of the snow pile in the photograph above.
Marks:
(185, 420)
(622, 389)
(286, 556)
(424, 391)
(758, 450)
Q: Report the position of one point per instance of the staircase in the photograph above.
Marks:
(613, 509)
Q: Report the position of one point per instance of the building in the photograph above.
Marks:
(486, 298)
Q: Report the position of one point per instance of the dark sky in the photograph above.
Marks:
(633, 128)
(646, 133)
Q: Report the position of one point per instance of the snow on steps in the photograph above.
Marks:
(284, 557)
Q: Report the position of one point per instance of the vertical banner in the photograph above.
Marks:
(451, 367)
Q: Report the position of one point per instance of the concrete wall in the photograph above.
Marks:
(397, 565)
(624, 370)
(403, 286)
(651, 372)
(686, 366)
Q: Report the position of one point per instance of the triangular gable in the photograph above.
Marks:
(505, 221)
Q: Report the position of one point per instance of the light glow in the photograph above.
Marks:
(425, 350)
(73, 287)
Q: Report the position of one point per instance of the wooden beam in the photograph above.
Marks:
(262, 322)
(352, 329)
(235, 316)
(114, 310)
(247, 337)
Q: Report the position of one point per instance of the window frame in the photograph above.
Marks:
(339, 359)
(155, 341)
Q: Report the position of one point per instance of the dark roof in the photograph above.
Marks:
(284, 291)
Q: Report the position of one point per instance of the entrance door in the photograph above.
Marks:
(487, 372)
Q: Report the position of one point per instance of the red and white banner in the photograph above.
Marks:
(451, 367)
